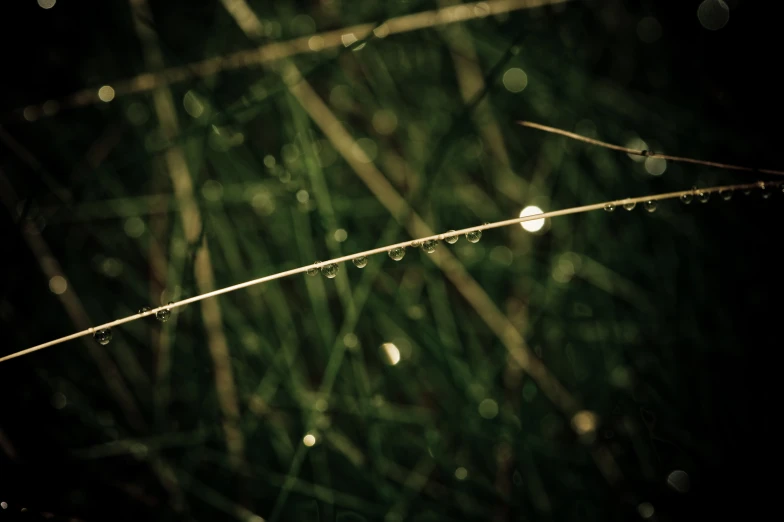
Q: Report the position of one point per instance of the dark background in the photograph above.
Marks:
(703, 392)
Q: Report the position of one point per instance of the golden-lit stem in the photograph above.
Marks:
(276, 51)
(410, 243)
(645, 153)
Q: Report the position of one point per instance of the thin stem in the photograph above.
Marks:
(646, 153)
(276, 51)
(404, 244)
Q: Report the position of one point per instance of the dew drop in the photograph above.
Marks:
(360, 262)
(686, 198)
(629, 206)
(397, 253)
(474, 236)
(103, 336)
(645, 510)
(429, 246)
(330, 270)
(415, 243)
(144, 309)
(679, 481)
(726, 195)
(313, 270)
(766, 191)
(650, 205)
(163, 315)
(746, 192)
(703, 196)
(451, 237)
(609, 207)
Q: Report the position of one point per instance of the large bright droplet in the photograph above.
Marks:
(535, 225)
(450, 237)
(391, 352)
(360, 262)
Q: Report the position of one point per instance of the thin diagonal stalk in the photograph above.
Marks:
(645, 153)
(192, 225)
(275, 51)
(404, 244)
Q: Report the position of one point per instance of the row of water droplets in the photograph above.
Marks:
(330, 270)
(703, 196)
(104, 335)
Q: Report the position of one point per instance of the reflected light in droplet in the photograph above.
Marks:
(713, 14)
(309, 440)
(106, 93)
(350, 340)
(655, 166)
(584, 422)
(645, 510)
(30, 113)
(679, 481)
(58, 285)
(384, 121)
(535, 225)
(392, 353)
(488, 409)
(515, 80)
(637, 144)
(193, 104)
(340, 235)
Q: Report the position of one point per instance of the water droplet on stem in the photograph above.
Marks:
(397, 253)
(103, 336)
(429, 246)
(650, 205)
(686, 198)
(474, 236)
(451, 237)
(609, 207)
(360, 262)
(163, 315)
(330, 270)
